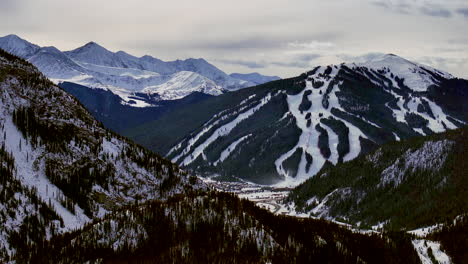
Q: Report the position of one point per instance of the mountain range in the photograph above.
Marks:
(331, 114)
(377, 149)
(123, 74)
(283, 132)
(74, 192)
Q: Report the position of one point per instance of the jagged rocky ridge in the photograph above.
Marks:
(409, 184)
(60, 168)
(125, 75)
(283, 132)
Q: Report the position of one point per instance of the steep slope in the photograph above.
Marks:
(55, 65)
(283, 132)
(409, 184)
(59, 167)
(239, 232)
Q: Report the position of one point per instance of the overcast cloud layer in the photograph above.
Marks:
(275, 37)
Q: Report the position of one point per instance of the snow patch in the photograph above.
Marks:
(423, 247)
(430, 157)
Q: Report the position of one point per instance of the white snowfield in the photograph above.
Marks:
(182, 84)
(94, 66)
(423, 247)
(431, 156)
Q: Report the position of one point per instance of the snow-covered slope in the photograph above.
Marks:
(206, 69)
(94, 66)
(93, 53)
(331, 114)
(59, 168)
(182, 84)
(56, 66)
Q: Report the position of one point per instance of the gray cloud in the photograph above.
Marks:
(296, 61)
(248, 64)
(399, 7)
(432, 8)
(360, 58)
(7, 6)
(276, 36)
(458, 64)
(436, 11)
(463, 11)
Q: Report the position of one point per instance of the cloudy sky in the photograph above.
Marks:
(275, 37)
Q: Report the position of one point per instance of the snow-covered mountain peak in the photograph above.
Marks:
(89, 47)
(92, 45)
(414, 76)
(18, 46)
(184, 83)
(95, 54)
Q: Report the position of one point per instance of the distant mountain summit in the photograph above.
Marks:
(94, 66)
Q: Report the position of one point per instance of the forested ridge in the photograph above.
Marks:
(217, 227)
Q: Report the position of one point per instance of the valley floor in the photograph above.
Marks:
(267, 197)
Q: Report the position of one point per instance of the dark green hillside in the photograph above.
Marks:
(107, 107)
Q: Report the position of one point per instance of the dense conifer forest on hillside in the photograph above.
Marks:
(215, 227)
